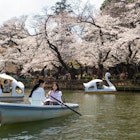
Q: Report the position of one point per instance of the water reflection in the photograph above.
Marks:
(38, 129)
(104, 117)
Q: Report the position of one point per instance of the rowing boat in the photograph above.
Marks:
(14, 113)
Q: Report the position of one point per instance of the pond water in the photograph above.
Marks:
(104, 117)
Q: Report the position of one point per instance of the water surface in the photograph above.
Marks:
(104, 117)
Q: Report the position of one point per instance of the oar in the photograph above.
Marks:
(66, 106)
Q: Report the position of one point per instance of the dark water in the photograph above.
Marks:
(104, 117)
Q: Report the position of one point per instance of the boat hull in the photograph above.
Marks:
(14, 113)
(11, 98)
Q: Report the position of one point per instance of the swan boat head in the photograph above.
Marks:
(111, 86)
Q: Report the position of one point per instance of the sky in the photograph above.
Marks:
(16, 8)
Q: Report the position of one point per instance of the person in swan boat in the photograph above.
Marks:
(56, 93)
(37, 95)
(6, 86)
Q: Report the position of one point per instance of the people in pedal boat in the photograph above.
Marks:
(56, 93)
(37, 95)
(6, 86)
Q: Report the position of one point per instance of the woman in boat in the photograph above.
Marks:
(37, 95)
(55, 93)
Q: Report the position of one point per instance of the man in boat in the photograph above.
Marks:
(99, 86)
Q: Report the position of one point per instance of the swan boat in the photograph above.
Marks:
(17, 89)
(14, 113)
(96, 86)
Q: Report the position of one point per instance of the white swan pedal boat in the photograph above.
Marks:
(14, 113)
(96, 86)
(17, 89)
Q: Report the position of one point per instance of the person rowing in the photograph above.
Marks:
(54, 94)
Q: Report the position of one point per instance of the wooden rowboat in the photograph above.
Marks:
(14, 113)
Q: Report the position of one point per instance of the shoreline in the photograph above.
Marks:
(121, 85)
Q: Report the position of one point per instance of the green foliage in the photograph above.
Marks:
(136, 76)
(61, 7)
(105, 3)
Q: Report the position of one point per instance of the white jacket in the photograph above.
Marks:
(38, 97)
